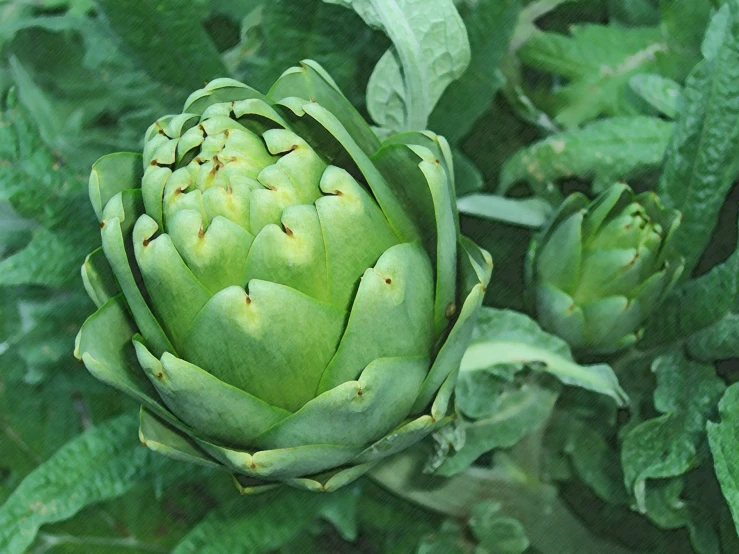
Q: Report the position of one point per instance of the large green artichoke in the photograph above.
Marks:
(287, 297)
(599, 268)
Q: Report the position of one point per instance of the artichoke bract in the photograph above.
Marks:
(599, 268)
(288, 298)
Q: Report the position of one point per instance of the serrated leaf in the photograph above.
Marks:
(526, 26)
(100, 99)
(604, 151)
(705, 305)
(102, 463)
(720, 341)
(723, 438)
(667, 446)
(505, 337)
(661, 93)
(448, 539)
(497, 532)
(50, 260)
(596, 462)
(430, 50)
(701, 156)
(516, 413)
(41, 191)
(597, 61)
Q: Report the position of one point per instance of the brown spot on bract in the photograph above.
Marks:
(201, 232)
(360, 392)
(248, 299)
(451, 310)
(160, 375)
(178, 190)
(388, 280)
(288, 231)
(146, 242)
(153, 162)
(102, 224)
(253, 465)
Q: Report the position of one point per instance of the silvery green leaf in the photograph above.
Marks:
(526, 212)
(660, 92)
(430, 50)
(508, 337)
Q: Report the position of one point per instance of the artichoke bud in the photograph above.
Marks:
(598, 270)
(279, 283)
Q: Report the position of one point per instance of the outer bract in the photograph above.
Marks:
(288, 298)
(600, 268)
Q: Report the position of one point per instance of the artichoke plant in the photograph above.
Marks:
(287, 297)
(599, 268)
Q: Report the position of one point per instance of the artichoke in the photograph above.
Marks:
(288, 298)
(599, 268)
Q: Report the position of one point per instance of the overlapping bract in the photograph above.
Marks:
(600, 268)
(287, 297)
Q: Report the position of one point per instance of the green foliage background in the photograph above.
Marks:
(551, 454)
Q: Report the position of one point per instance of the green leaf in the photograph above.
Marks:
(526, 212)
(81, 87)
(634, 12)
(705, 303)
(605, 151)
(720, 341)
(162, 35)
(684, 24)
(598, 62)
(448, 539)
(530, 13)
(667, 446)
(515, 414)
(504, 337)
(497, 532)
(42, 193)
(596, 462)
(430, 50)
(394, 526)
(34, 181)
(100, 464)
(701, 157)
(661, 93)
(723, 438)
(259, 524)
(49, 259)
(714, 35)
(467, 98)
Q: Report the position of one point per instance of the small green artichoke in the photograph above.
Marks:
(288, 298)
(599, 268)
